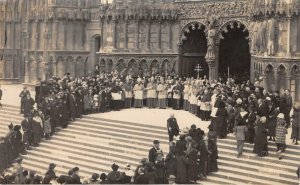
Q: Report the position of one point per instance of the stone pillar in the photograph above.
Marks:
(212, 70)
(102, 32)
(27, 72)
(159, 36)
(297, 88)
(55, 35)
(126, 35)
(170, 37)
(148, 36)
(83, 35)
(65, 35)
(217, 51)
(137, 32)
(288, 81)
(74, 34)
(289, 29)
(276, 84)
(115, 22)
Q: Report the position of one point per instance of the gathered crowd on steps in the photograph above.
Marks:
(247, 110)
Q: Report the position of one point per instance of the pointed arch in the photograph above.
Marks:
(80, 69)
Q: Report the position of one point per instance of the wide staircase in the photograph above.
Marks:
(93, 144)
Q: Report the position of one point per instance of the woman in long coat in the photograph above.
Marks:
(271, 122)
(296, 124)
(212, 152)
(250, 122)
(181, 168)
(192, 166)
(260, 141)
(221, 121)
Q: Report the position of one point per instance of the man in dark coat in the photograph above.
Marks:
(50, 173)
(28, 105)
(154, 151)
(27, 131)
(75, 176)
(79, 101)
(115, 177)
(286, 105)
(173, 128)
(260, 141)
(72, 105)
(23, 96)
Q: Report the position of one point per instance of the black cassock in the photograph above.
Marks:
(173, 129)
(260, 141)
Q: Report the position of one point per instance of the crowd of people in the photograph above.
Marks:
(247, 110)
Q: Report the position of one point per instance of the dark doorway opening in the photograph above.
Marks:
(194, 49)
(234, 53)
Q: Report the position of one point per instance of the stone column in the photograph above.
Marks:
(65, 35)
(126, 35)
(102, 32)
(289, 28)
(137, 32)
(55, 35)
(288, 81)
(74, 35)
(27, 72)
(276, 84)
(170, 37)
(297, 84)
(148, 36)
(159, 36)
(115, 22)
(212, 70)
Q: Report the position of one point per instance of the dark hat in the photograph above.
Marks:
(155, 142)
(10, 126)
(17, 128)
(193, 126)
(70, 172)
(114, 167)
(103, 176)
(25, 173)
(52, 166)
(75, 169)
(143, 160)
(95, 176)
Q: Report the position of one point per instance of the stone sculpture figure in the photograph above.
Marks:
(254, 27)
(210, 55)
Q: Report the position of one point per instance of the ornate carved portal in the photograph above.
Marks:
(193, 50)
(234, 52)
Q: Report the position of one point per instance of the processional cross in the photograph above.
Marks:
(198, 69)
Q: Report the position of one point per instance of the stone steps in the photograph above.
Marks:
(94, 143)
(9, 114)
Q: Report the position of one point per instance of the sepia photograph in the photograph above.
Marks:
(150, 92)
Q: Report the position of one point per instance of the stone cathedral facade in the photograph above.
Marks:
(258, 38)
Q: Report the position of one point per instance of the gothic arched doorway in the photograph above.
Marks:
(193, 51)
(234, 53)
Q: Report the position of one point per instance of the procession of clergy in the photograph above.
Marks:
(247, 110)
